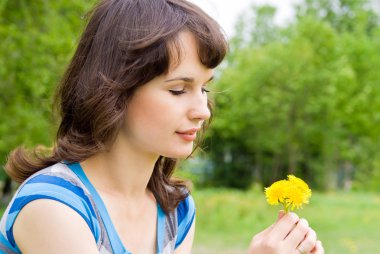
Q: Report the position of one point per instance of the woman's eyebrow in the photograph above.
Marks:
(187, 79)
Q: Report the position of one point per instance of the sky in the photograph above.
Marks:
(227, 11)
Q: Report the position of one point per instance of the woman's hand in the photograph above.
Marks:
(289, 235)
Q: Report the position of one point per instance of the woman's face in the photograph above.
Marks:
(164, 115)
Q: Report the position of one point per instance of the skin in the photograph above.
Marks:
(168, 104)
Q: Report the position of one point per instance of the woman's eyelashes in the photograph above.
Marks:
(204, 90)
(182, 91)
(177, 92)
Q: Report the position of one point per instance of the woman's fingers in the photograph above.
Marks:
(281, 214)
(266, 231)
(297, 234)
(309, 243)
(318, 249)
(283, 227)
(287, 235)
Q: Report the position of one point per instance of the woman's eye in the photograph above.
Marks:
(204, 90)
(177, 92)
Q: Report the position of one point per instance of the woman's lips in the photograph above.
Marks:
(189, 135)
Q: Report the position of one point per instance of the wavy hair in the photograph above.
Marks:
(125, 44)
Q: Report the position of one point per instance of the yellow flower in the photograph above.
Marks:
(291, 193)
(302, 186)
(294, 197)
(275, 193)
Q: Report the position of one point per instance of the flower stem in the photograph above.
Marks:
(286, 207)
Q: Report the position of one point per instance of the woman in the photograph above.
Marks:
(133, 99)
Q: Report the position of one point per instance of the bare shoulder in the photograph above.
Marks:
(187, 244)
(48, 226)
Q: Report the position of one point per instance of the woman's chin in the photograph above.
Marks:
(179, 154)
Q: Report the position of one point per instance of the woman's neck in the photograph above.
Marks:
(122, 170)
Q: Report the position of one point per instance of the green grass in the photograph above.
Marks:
(227, 220)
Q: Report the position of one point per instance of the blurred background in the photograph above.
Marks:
(299, 93)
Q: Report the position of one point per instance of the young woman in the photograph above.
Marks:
(132, 101)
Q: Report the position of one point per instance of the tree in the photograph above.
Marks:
(301, 101)
(37, 40)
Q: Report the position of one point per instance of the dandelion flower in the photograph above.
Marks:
(291, 193)
(302, 186)
(294, 197)
(275, 193)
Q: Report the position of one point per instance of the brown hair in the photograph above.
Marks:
(125, 44)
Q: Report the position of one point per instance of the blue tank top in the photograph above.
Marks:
(68, 184)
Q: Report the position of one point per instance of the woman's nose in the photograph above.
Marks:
(200, 109)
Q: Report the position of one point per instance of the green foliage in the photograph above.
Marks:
(303, 100)
(37, 39)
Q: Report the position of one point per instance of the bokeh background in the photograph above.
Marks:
(298, 97)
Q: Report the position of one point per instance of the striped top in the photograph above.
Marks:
(68, 184)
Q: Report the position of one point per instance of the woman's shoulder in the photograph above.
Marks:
(49, 221)
(52, 173)
(185, 215)
(56, 183)
(59, 183)
(178, 223)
